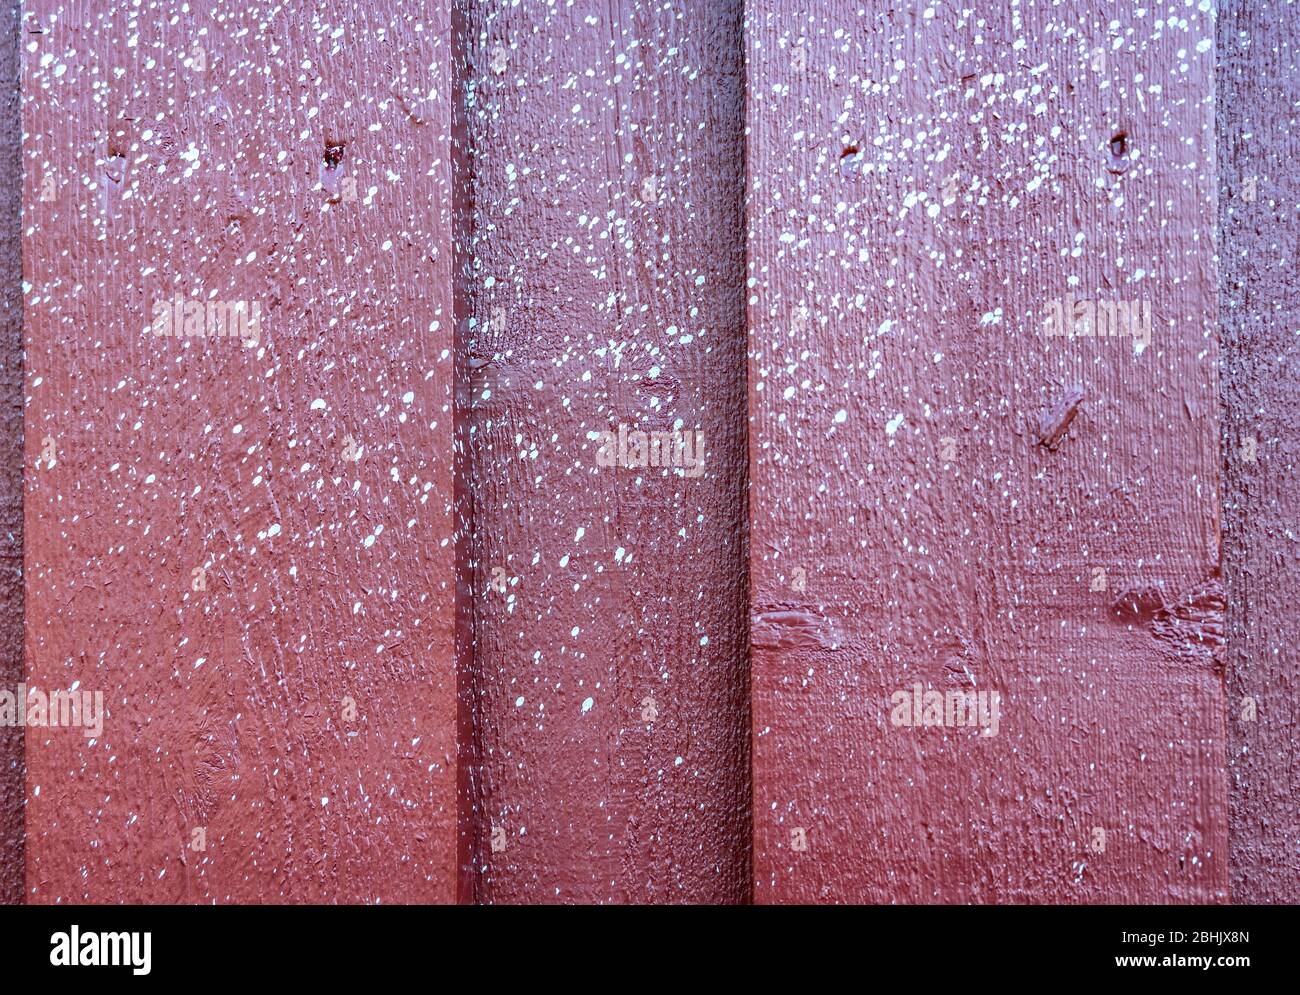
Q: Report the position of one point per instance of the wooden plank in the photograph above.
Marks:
(604, 290)
(11, 457)
(245, 548)
(1258, 92)
(944, 496)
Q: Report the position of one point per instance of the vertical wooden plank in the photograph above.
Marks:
(11, 455)
(1258, 94)
(604, 290)
(243, 543)
(468, 758)
(944, 496)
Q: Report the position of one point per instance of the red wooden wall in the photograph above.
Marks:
(374, 624)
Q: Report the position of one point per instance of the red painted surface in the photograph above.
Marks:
(936, 484)
(1258, 91)
(223, 172)
(604, 289)
(552, 704)
(11, 456)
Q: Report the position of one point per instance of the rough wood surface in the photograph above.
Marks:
(945, 495)
(609, 664)
(1258, 97)
(11, 454)
(280, 725)
(250, 550)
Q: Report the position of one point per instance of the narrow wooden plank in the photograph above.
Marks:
(942, 495)
(1258, 95)
(247, 549)
(11, 456)
(604, 290)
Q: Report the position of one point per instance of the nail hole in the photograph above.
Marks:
(849, 160)
(1120, 146)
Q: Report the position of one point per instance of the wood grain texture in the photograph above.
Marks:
(943, 495)
(209, 155)
(604, 289)
(1258, 97)
(11, 454)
